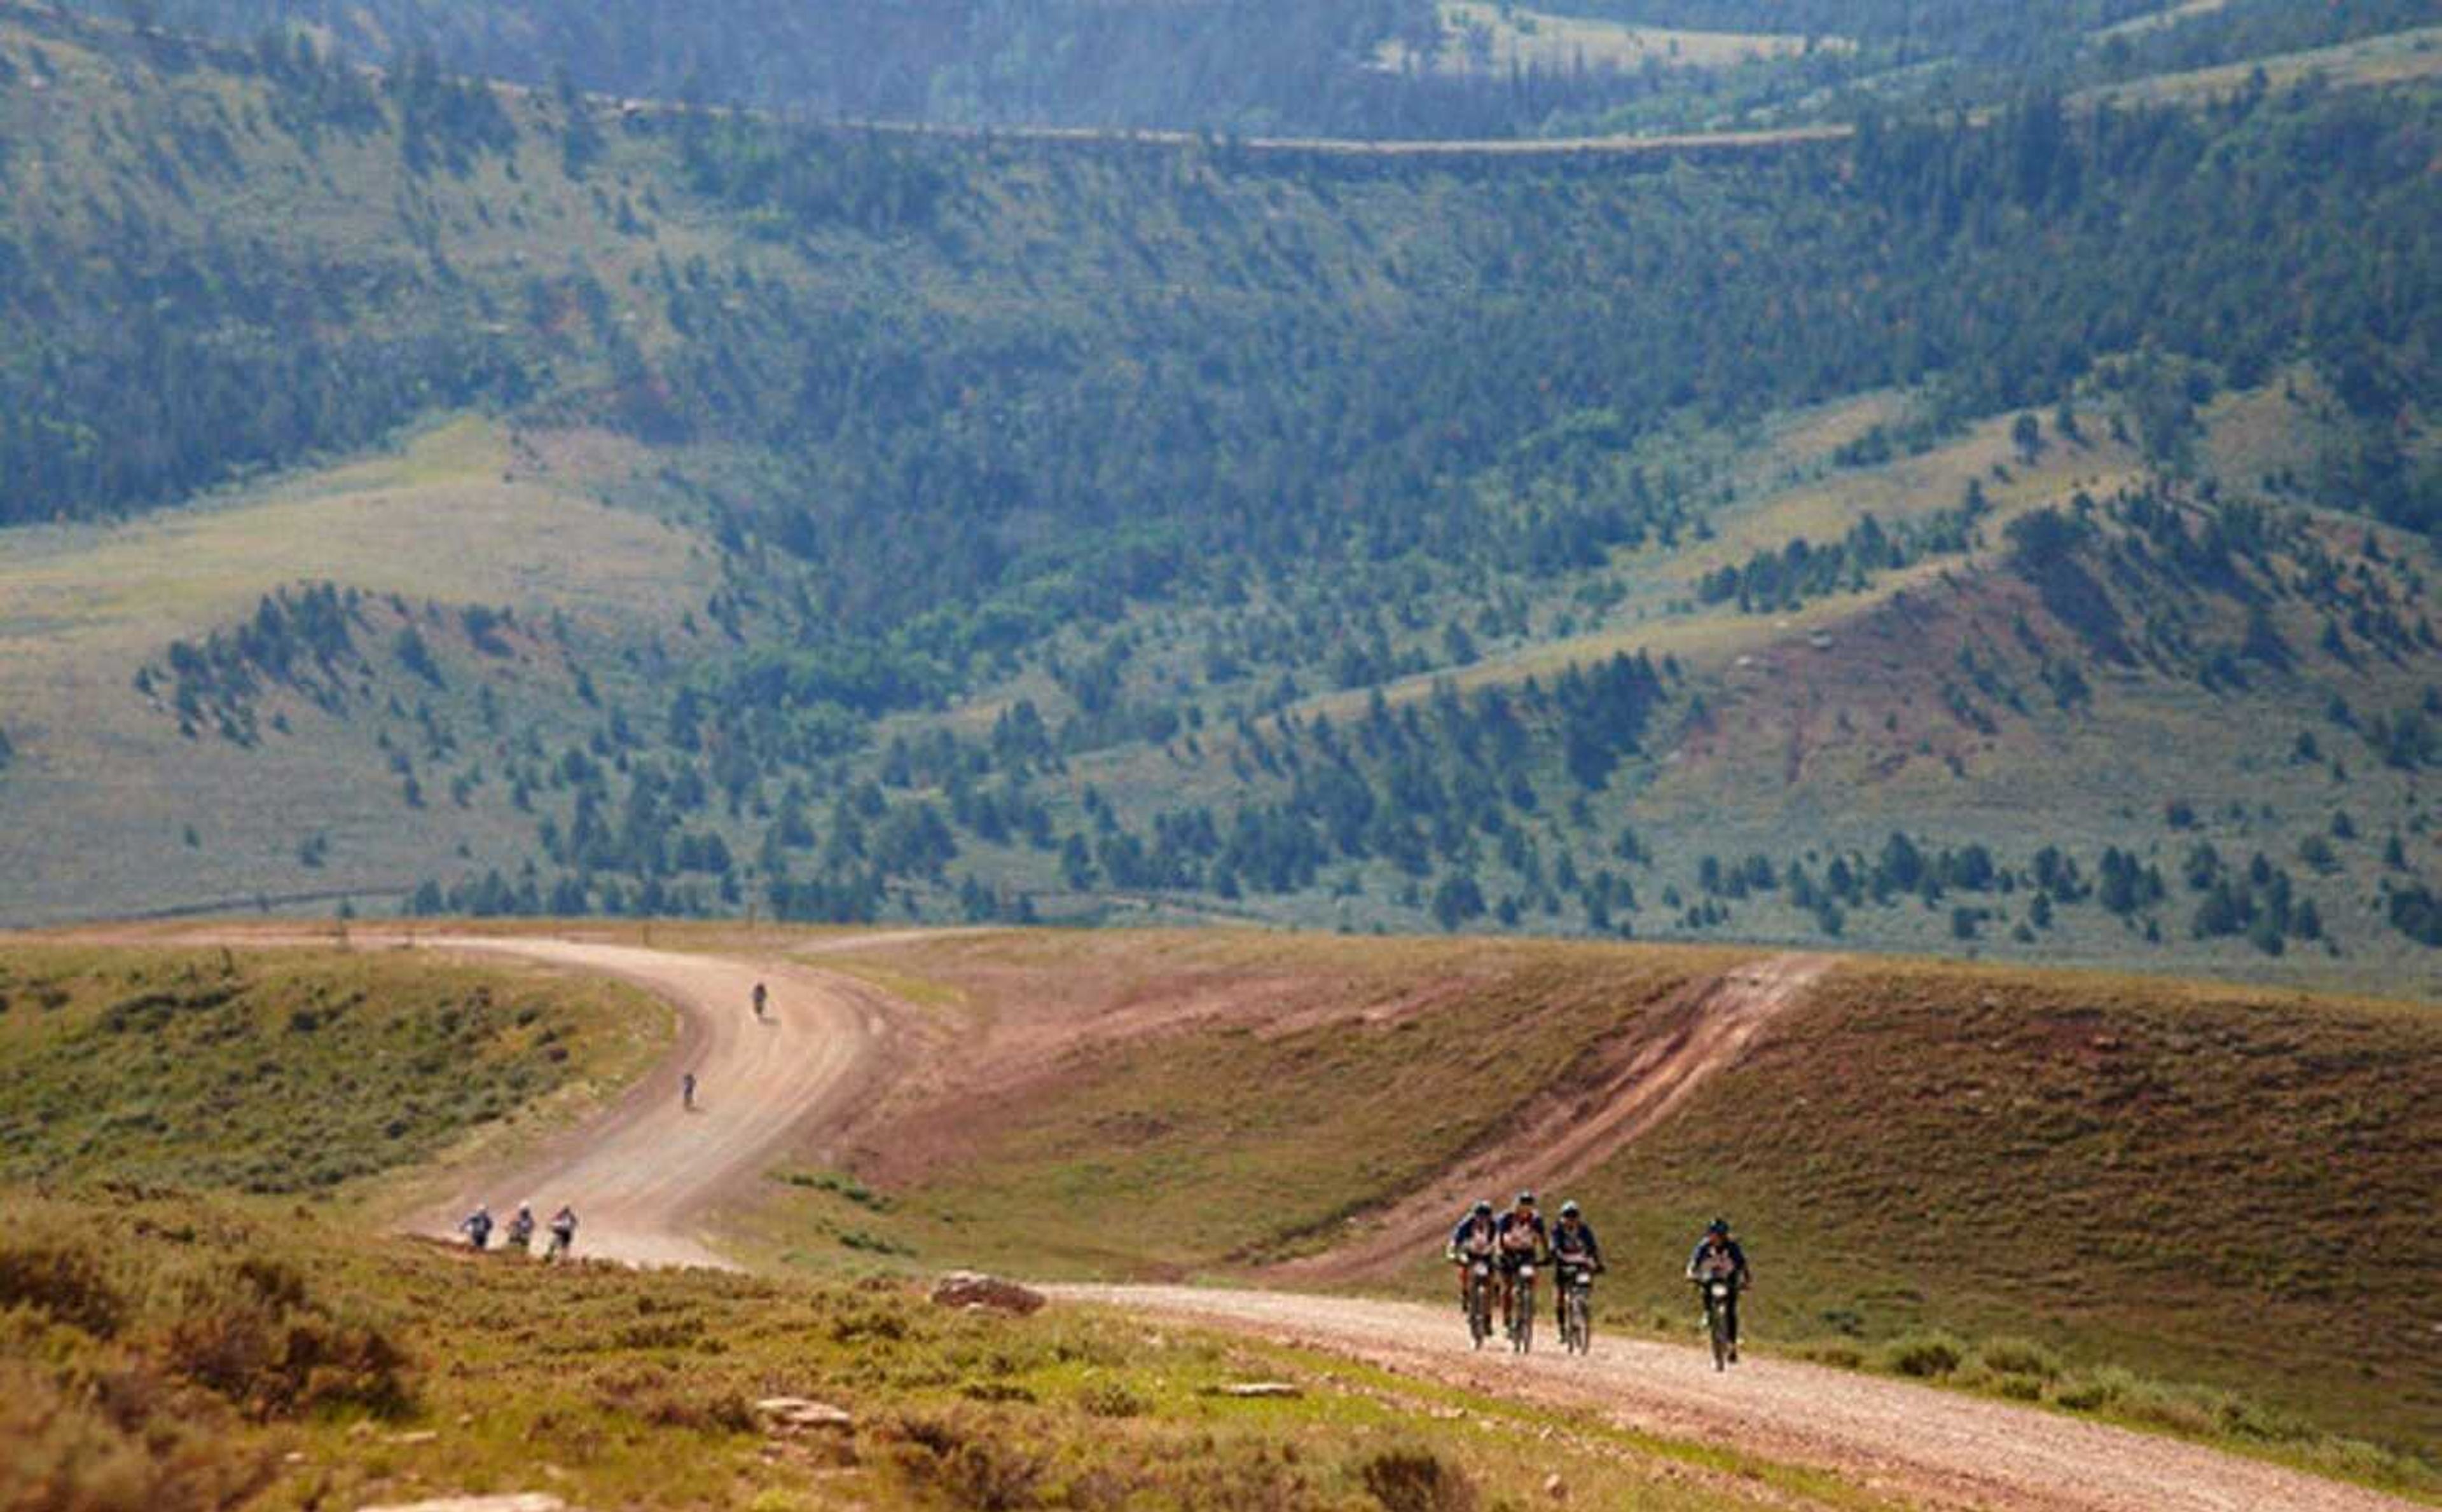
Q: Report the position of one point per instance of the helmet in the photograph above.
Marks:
(1568, 1210)
(1526, 1199)
(1719, 1226)
(1484, 1209)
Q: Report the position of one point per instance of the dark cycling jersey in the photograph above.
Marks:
(1574, 1241)
(1474, 1235)
(1522, 1238)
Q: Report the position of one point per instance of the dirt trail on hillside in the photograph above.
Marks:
(1704, 1031)
(643, 1175)
(1938, 1450)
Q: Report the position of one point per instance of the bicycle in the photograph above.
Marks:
(1521, 1309)
(1577, 1284)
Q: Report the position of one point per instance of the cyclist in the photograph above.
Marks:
(1573, 1243)
(563, 1232)
(1474, 1237)
(477, 1227)
(522, 1226)
(1719, 1257)
(1523, 1240)
(687, 1090)
(762, 996)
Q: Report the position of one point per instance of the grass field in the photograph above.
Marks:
(308, 1070)
(2395, 58)
(176, 1354)
(2134, 1175)
(105, 786)
(1479, 38)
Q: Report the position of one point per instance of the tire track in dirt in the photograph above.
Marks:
(1702, 1033)
(1938, 1450)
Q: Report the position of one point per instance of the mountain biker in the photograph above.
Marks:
(563, 1232)
(522, 1226)
(762, 995)
(1523, 1239)
(1475, 1235)
(1573, 1243)
(687, 1090)
(1718, 1256)
(477, 1227)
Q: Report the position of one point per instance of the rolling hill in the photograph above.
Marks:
(2114, 1173)
(2093, 1197)
(562, 506)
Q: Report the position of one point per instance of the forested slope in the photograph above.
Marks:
(1037, 519)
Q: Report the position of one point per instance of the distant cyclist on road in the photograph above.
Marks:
(563, 1233)
(1573, 1243)
(477, 1227)
(762, 996)
(1718, 1257)
(522, 1228)
(1475, 1237)
(1522, 1241)
(687, 1090)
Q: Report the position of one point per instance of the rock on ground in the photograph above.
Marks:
(966, 1288)
(802, 1413)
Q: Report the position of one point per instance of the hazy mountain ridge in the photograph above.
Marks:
(1273, 67)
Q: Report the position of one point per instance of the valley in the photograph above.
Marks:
(1782, 624)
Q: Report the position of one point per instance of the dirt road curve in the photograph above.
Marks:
(643, 1175)
(1936, 1448)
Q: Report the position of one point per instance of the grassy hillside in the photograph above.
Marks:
(182, 1353)
(847, 525)
(2204, 1184)
(1384, 1063)
(2193, 1182)
(290, 1070)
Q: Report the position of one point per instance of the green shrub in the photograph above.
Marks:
(968, 1463)
(2196, 1411)
(111, 1443)
(59, 1280)
(2092, 1391)
(1110, 1399)
(1923, 1356)
(252, 1332)
(1416, 1480)
(2018, 1356)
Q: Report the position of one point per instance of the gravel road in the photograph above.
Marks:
(643, 1173)
(1936, 1448)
